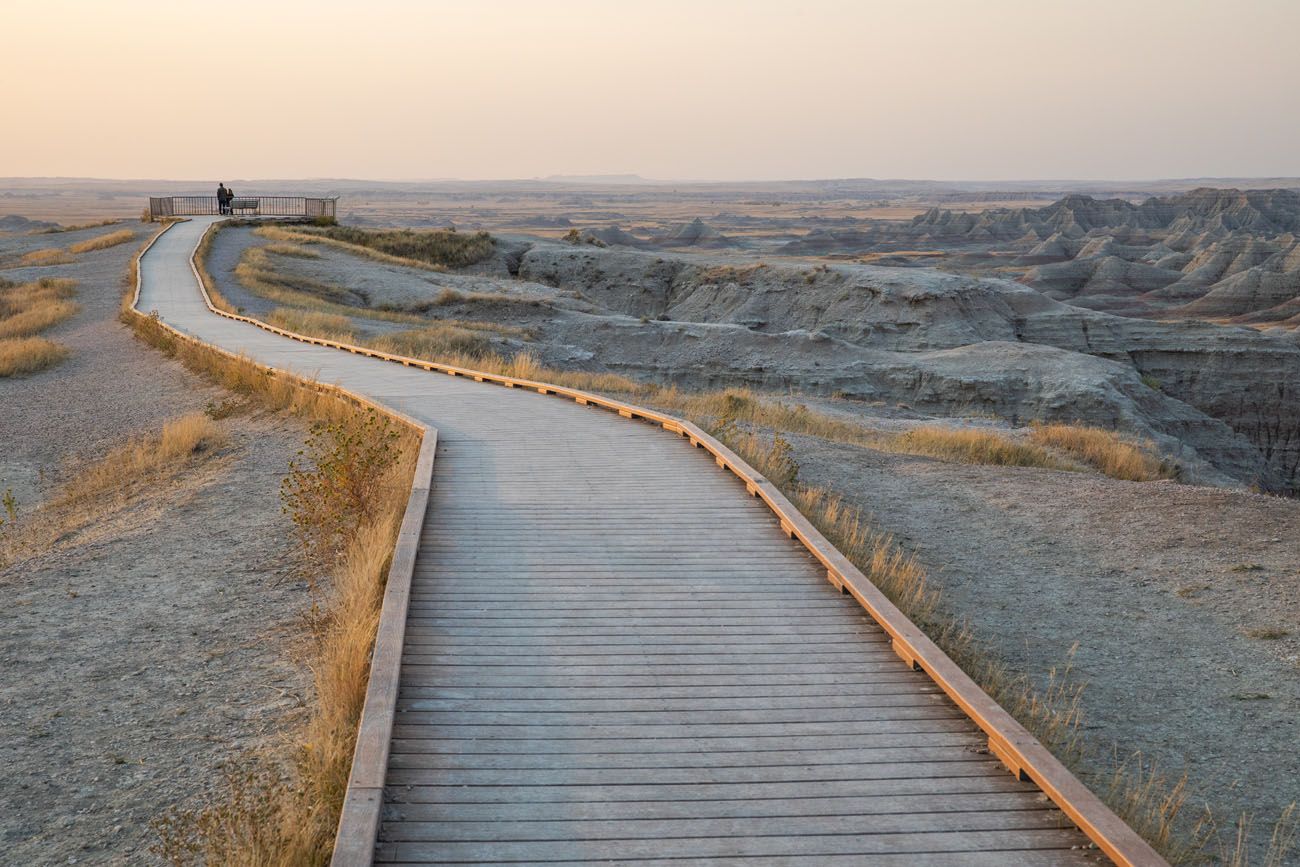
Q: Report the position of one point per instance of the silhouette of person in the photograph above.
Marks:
(223, 198)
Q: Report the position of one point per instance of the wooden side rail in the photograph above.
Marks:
(359, 820)
(1008, 740)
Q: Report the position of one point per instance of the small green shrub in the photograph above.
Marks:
(337, 482)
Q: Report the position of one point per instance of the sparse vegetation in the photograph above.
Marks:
(436, 341)
(123, 475)
(447, 248)
(25, 311)
(30, 308)
(975, 446)
(56, 230)
(436, 249)
(330, 326)
(29, 355)
(48, 256)
(103, 242)
(296, 251)
(1104, 450)
(1267, 633)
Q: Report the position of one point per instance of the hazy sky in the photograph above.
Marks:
(952, 89)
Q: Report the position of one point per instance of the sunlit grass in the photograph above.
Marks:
(47, 256)
(103, 242)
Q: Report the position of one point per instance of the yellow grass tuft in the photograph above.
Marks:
(103, 242)
(25, 311)
(1104, 450)
(56, 230)
(296, 251)
(48, 256)
(330, 326)
(144, 458)
(28, 355)
(972, 446)
(434, 341)
(31, 308)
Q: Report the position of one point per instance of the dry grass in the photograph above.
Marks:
(1104, 450)
(48, 256)
(295, 251)
(103, 242)
(436, 341)
(972, 446)
(56, 230)
(439, 247)
(298, 235)
(28, 355)
(731, 273)
(30, 308)
(125, 474)
(257, 273)
(1267, 633)
(25, 311)
(201, 264)
(144, 459)
(1151, 804)
(330, 326)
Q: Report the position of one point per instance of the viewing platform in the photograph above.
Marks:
(306, 207)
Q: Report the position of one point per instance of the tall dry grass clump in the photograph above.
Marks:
(970, 446)
(103, 242)
(28, 355)
(1105, 450)
(47, 256)
(30, 308)
(26, 310)
(437, 341)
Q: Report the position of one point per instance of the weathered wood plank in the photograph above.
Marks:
(806, 846)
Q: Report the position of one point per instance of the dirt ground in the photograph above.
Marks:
(141, 657)
(1170, 591)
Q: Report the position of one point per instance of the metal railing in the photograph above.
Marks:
(244, 206)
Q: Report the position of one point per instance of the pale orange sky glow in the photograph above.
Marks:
(717, 90)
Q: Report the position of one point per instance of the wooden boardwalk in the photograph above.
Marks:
(613, 655)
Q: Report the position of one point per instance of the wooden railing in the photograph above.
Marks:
(306, 207)
(1008, 740)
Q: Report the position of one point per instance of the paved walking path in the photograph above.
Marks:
(613, 653)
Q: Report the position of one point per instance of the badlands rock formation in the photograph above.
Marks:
(1224, 255)
(1225, 398)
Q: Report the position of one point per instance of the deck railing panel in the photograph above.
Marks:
(309, 207)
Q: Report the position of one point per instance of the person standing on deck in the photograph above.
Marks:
(223, 197)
